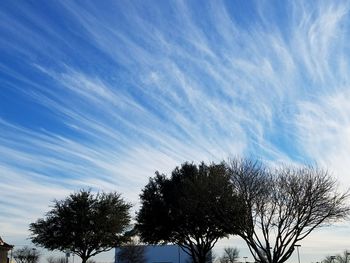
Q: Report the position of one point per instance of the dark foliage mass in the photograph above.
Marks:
(84, 224)
(283, 206)
(187, 208)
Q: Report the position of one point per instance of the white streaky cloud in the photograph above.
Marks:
(24, 198)
(317, 36)
(153, 98)
(324, 132)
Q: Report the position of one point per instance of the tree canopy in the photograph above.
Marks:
(283, 205)
(83, 223)
(187, 208)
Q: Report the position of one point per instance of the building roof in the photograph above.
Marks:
(5, 245)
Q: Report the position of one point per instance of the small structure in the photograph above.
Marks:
(4, 249)
(160, 254)
(155, 254)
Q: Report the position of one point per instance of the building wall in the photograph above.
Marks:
(3, 255)
(166, 254)
(163, 254)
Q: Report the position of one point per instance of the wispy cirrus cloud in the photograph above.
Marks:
(102, 95)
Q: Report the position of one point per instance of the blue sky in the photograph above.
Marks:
(100, 94)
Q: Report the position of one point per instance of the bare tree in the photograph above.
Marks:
(230, 255)
(26, 255)
(283, 206)
(339, 258)
(53, 259)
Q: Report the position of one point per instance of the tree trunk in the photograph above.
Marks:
(199, 255)
(203, 257)
(194, 258)
(84, 259)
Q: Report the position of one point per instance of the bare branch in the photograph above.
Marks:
(284, 205)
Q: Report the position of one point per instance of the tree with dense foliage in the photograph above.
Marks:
(187, 208)
(230, 255)
(283, 206)
(84, 224)
(26, 255)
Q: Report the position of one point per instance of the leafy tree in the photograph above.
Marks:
(283, 206)
(84, 224)
(230, 255)
(26, 255)
(187, 208)
(133, 252)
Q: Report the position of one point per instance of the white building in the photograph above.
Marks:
(161, 254)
